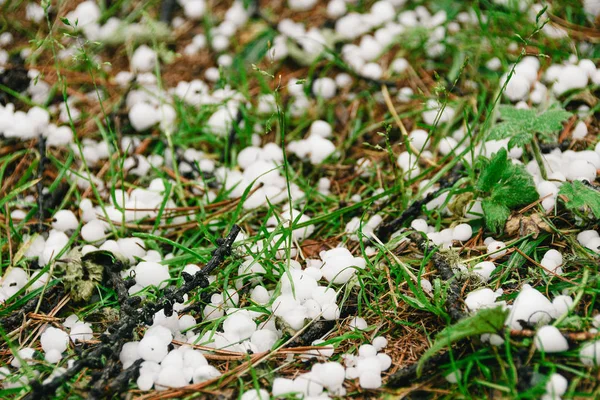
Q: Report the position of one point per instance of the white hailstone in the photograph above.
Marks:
(447, 145)
(254, 394)
(339, 265)
(6, 38)
(151, 273)
(143, 59)
(385, 361)
(93, 231)
(370, 380)
(193, 358)
(212, 74)
(336, 8)
(220, 42)
(484, 270)
(331, 312)
(321, 128)
(13, 280)
(399, 65)
(584, 237)
(131, 248)
(24, 354)
(194, 9)
(580, 131)
(408, 163)
(81, 332)
(205, 373)
(331, 374)
(370, 48)
(419, 225)
(143, 116)
(260, 295)
(71, 321)
(379, 343)
(186, 322)
(419, 139)
(220, 121)
(54, 339)
(283, 386)
(145, 382)
(383, 11)
(39, 282)
(59, 136)
(462, 232)
(129, 353)
(371, 70)
(481, 298)
(556, 385)
(547, 188)
(153, 348)
(64, 220)
(530, 306)
(594, 245)
(517, 87)
(549, 340)
(493, 64)
(343, 80)
(171, 377)
(239, 324)
(562, 304)
(324, 87)
(264, 339)
(367, 350)
(53, 356)
(454, 376)
(34, 12)
(358, 323)
(581, 169)
(571, 77)
(589, 354)
(426, 286)
(309, 384)
(350, 26)
(266, 104)
(496, 249)
(301, 5)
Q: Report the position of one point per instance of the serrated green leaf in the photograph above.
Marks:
(492, 172)
(512, 114)
(520, 139)
(505, 130)
(495, 215)
(551, 121)
(580, 196)
(487, 320)
(521, 125)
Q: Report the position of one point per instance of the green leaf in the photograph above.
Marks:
(551, 121)
(495, 215)
(513, 114)
(486, 320)
(521, 125)
(492, 172)
(580, 196)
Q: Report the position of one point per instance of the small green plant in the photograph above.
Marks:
(579, 196)
(503, 186)
(521, 125)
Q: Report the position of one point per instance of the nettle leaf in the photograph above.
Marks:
(551, 121)
(492, 170)
(486, 320)
(495, 214)
(521, 125)
(503, 186)
(580, 196)
(516, 115)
